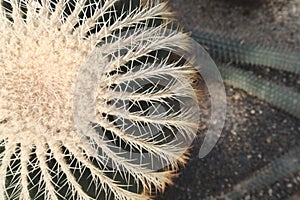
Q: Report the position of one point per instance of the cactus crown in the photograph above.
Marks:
(93, 103)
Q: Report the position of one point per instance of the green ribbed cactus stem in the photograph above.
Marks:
(280, 96)
(281, 168)
(232, 50)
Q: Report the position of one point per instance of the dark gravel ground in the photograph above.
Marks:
(255, 133)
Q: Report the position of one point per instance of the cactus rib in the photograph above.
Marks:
(280, 96)
(282, 167)
(92, 103)
(234, 51)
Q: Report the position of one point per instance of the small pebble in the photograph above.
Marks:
(233, 132)
(259, 156)
(270, 191)
(248, 197)
(237, 96)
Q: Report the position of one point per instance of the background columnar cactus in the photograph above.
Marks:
(232, 57)
(116, 55)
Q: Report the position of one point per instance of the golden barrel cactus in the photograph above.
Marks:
(94, 102)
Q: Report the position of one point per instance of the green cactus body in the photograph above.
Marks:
(284, 166)
(229, 50)
(280, 96)
(284, 98)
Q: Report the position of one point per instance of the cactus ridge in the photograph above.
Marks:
(230, 50)
(285, 98)
(284, 166)
(125, 142)
(280, 96)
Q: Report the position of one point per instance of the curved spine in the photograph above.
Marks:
(92, 103)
